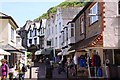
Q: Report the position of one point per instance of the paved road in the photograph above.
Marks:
(41, 72)
(38, 71)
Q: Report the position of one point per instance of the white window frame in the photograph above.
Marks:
(67, 33)
(12, 34)
(72, 27)
(94, 10)
(56, 41)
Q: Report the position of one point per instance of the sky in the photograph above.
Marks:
(23, 10)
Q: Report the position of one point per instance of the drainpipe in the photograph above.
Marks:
(88, 63)
(113, 56)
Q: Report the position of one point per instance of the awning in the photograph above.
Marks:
(3, 52)
(72, 51)
(11, 48)
(38, 52)
(59, 54)
(65, 51)
(86, 42)
(47, 51)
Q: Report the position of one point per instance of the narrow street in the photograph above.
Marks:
(39, 72)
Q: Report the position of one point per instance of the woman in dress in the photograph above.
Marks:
(4, 69)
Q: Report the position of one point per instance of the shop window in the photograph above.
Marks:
(117, 56)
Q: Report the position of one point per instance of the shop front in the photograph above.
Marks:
(90, 58)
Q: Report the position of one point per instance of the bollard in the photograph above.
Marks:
(30, 74)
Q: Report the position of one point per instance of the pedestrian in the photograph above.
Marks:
(24, 69)
(48, 68)
(4, 69)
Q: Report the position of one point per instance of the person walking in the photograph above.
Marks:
(24, 69)
(4, 69)
(48, 68)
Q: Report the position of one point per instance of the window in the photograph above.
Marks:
(56, 41)
(56, 28)
(52, 42)
(63, 36)
(30, 41)
(35, 32)
(35, 40)
(43, 30)
(94, 10)
(117, 56)
(59, 26)
(72, 25)
(12, 34)
(72, 29)
(66, 33)
(82, 25)
(119, 7)
(52, 29)
(30, 33)
(59, 40)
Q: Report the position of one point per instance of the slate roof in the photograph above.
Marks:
(4, 16)
(70, 12)
(8, 47)
(83, 43)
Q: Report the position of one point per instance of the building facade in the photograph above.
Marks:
(8, 38)
(55, 27)
(97, 33)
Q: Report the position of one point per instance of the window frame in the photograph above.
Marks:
(30, 33)
(30, 41)
(12, 34)
(82, 26)
(35, 40)
(72, 30)
(94, 18)
(67, 33)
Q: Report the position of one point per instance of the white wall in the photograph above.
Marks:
(11, 42)
(112, 26)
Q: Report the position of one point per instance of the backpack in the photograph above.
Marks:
(24, 69)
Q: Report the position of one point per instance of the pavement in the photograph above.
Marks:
(38, 72)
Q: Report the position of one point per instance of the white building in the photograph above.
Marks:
(56, 27)
(8, 38)
(33, 34)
